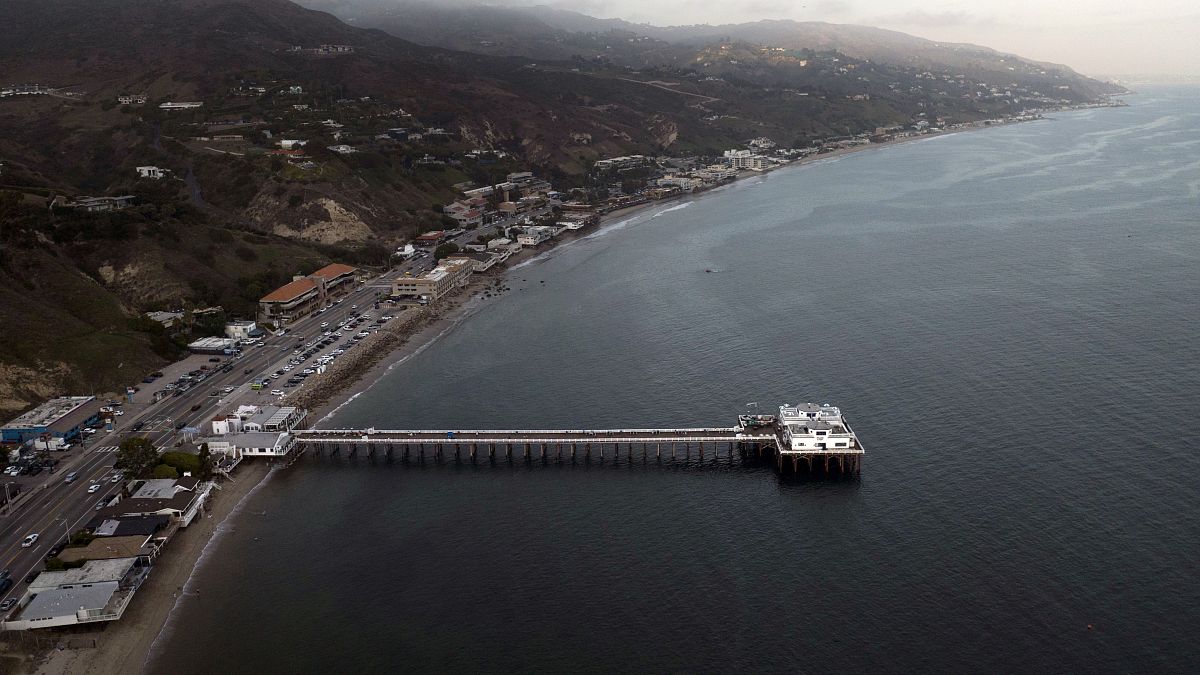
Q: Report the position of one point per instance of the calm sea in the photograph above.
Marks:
(1009, 318)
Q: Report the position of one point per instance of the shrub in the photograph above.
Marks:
(164, 471)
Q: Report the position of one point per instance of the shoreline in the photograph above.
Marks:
(128, 645)
(464, 302)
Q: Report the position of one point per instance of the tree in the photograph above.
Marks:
(447, 249)
(206, 463)
(164, 471)
(137, 456)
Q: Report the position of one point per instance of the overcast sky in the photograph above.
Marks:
(1097, 37)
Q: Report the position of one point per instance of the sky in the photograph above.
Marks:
(1097, 37)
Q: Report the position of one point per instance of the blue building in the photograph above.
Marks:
(62, 419)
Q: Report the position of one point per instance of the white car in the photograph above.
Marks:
(277, 392)
(228, 390)
(30, 540)
(94, 489)
(324, 324)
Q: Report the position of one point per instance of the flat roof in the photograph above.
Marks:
(92, 572)
(49, 412)
(290, 291)
(105, 548)
(55, 602)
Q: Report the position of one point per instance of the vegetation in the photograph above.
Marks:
(137, 457)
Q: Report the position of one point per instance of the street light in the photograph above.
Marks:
(66, 527)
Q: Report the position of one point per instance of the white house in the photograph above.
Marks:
(152, 172)
(291, 143)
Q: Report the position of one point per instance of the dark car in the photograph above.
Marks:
(138, 426)
(52, 553)
(182, 424)
(215, 359)
(31, 576)
(5, 584)
(247, 371)
(195, 407)
(35, 469)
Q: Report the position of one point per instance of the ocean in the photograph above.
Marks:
(1009, 319)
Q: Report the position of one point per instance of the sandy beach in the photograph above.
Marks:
(123, 647)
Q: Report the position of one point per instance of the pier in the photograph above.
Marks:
(813, 439)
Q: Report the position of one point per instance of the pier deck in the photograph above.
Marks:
(573, 444)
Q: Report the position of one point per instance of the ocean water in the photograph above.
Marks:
(1010, 319)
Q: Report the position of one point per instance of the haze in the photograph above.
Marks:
(1097, 37)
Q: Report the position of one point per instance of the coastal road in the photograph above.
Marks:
(53, 506)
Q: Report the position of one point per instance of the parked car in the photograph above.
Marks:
(277, 392)
(29, 540)
(215, 359)
(31, 576)
(116, 478)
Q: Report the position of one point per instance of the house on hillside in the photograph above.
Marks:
(153, 172)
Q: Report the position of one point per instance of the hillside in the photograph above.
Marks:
(552, 33)
(291, 155)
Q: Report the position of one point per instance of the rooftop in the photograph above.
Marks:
(290, 291)
(50, 412)
(92, 572)
(105, 548)
(331, 272)
(58, 602)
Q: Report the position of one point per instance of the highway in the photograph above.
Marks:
(53, 507)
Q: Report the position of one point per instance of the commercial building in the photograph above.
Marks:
(304, 294)
(619, 163)
(213, 345)
(480, 261)
(243, 330)
(61, 419)
(430, 239)
(433, 285)
(255, 431)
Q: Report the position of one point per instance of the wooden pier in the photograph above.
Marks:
(703, 445)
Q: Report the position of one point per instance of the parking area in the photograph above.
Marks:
(312, 353)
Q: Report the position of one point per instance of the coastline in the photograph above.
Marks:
(127, 645)
(124, 646)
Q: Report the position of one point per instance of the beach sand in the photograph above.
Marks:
(122, 646)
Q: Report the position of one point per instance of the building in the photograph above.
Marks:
(534, 235)
(434, 284)
(98, 591)
(61, 420)
(131, 99)
(243, 330)
(93, 204)
(430, 239)
(166, 319)
(213, 345)
(620, 163)
(480, 261)
(291, 143)
(255, 431)
(305, 294)
(343, 149)
(179, 500)
(180, 105)
(152, 172)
